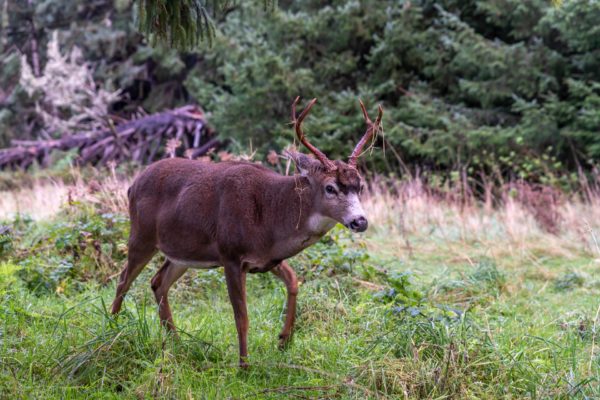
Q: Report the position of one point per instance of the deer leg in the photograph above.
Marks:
(136, 261)
(236, 286)
(166, 276)
(284, 272)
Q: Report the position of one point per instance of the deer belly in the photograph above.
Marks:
(193, 263)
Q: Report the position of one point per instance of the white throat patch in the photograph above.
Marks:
(318, 223)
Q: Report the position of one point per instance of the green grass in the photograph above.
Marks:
(483, 324)
(69, 346)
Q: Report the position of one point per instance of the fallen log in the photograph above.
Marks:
(182, 131)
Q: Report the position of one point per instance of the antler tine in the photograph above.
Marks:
(372, 129)
(298, 125)
(364, 111)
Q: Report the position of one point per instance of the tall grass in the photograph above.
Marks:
(43, 198)
(515, 221)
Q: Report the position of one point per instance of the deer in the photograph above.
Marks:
(241, 216)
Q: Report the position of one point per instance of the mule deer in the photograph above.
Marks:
(241, 216)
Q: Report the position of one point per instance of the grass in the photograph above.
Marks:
(441, 299)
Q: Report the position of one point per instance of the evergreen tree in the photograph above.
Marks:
(503, 87)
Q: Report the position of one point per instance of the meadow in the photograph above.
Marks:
(443, 297)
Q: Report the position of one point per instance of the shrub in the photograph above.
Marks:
(78, 245)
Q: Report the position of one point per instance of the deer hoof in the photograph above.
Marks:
(284, 341)
(116, 306)
(244, 363)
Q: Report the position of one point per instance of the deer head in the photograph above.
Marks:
(337, 185)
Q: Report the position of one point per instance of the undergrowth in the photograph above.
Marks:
(371, 324)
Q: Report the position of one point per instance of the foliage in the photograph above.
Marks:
(336, 253)
(506, 88)
(444, 107)
(178, 23)
(184, 24)
(80, 245)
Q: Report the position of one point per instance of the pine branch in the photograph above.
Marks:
(183, 24)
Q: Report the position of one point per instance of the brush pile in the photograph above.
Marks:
(182, 131)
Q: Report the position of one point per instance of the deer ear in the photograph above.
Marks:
(305, 165)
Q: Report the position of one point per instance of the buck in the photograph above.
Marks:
(241, 216)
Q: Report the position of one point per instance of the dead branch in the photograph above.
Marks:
(139, 140)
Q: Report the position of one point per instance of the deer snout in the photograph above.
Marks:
(359, 224)
(355, 215)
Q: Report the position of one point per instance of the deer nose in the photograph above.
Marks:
(359, 224)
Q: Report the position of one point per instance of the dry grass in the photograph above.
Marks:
(46, 198)
(40, 201)
(429, 221)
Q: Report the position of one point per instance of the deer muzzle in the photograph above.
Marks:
(355, 219)
(359, 224)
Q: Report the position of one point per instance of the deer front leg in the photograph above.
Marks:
(286, 274)
(236, 286)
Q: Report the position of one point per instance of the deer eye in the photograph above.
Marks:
(330, 189)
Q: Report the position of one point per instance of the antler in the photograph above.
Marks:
(298, 125)
(372, 129)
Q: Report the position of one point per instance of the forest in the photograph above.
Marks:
(509, 89)
(477, 278)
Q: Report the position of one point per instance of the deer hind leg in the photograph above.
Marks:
(166, 276)
(137, 258)
(236, 287)
(285, 273)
